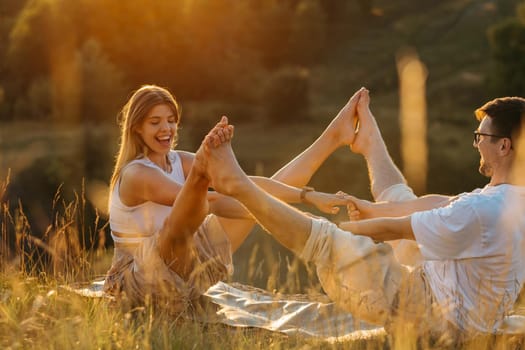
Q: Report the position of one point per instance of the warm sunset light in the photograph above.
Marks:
(262, 174)
(413, 119)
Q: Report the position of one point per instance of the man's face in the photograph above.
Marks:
(487, 147)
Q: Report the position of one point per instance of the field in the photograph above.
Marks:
(36, 311)
(54, 176)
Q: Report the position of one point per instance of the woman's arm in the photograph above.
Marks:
(222, 206)
(325, 202)
(140, 184)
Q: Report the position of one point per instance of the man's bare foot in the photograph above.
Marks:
(215, 160)
(222, 132)
(343, 127)
(368, 134)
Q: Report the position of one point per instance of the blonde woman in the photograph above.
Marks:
(173, 237)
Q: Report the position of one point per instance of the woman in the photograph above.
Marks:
(174, 238)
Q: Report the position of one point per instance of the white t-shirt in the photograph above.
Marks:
(474, 252)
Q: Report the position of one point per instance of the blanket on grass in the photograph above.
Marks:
(240, 305)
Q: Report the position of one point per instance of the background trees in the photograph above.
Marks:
(507, 41)
(279, 68)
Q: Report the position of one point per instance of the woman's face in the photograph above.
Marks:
(159, 129)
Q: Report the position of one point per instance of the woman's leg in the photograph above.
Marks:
(340, 132)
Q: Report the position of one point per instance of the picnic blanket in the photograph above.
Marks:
(308, 315)
(240, 305)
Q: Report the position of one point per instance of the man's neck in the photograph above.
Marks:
(500, 176)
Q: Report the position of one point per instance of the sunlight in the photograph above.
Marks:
(413, 119)
(519, 163)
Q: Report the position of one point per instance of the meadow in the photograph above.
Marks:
(38, 310)
(54, 176)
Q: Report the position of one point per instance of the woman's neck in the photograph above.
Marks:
(161, 160)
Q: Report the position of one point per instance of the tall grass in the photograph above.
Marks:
(37, 312)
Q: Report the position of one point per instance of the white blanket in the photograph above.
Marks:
(314, 316)
(244, 306)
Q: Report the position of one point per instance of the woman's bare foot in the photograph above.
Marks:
(369, 134)
(342, 129)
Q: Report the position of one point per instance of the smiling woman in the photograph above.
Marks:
(173, 237)
(158, 243)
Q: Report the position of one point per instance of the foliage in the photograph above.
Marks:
(103, 85)
(35, 104)
(308, 32)
(507, 40)
(90, 51)
(286, 95)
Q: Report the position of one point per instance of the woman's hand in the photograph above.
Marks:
(326, 202)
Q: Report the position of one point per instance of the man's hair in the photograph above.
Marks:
(507, 114)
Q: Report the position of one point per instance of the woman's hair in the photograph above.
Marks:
(131, 116)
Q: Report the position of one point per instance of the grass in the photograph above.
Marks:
(36, 311)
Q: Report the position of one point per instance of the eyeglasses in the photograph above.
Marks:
(478, 134)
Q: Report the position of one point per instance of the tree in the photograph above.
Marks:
(103, 88)
(507, 42)
(308, 32)
(287, 95)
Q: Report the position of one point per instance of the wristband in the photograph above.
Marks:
(304, 190)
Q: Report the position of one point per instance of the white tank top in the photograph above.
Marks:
(143, 220)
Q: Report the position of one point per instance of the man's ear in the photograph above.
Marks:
(506, 145)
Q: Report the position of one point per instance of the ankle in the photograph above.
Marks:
(373, 150)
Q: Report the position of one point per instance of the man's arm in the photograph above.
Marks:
(381, 229)
(363, 209)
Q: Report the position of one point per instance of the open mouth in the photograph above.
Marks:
(164, 140)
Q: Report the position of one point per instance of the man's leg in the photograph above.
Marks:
(387, 183)
(300, 170)
(382, 171)
(359, 275)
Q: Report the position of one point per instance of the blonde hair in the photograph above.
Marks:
(131, 116)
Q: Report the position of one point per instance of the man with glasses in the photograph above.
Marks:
(473, 244)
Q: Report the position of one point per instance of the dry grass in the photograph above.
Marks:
(36, 312)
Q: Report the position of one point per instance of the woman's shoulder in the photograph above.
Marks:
(139, 161)
(139, 167)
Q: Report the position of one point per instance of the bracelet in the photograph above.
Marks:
(304, 190)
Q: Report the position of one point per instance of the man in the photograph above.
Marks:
(473, 244)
